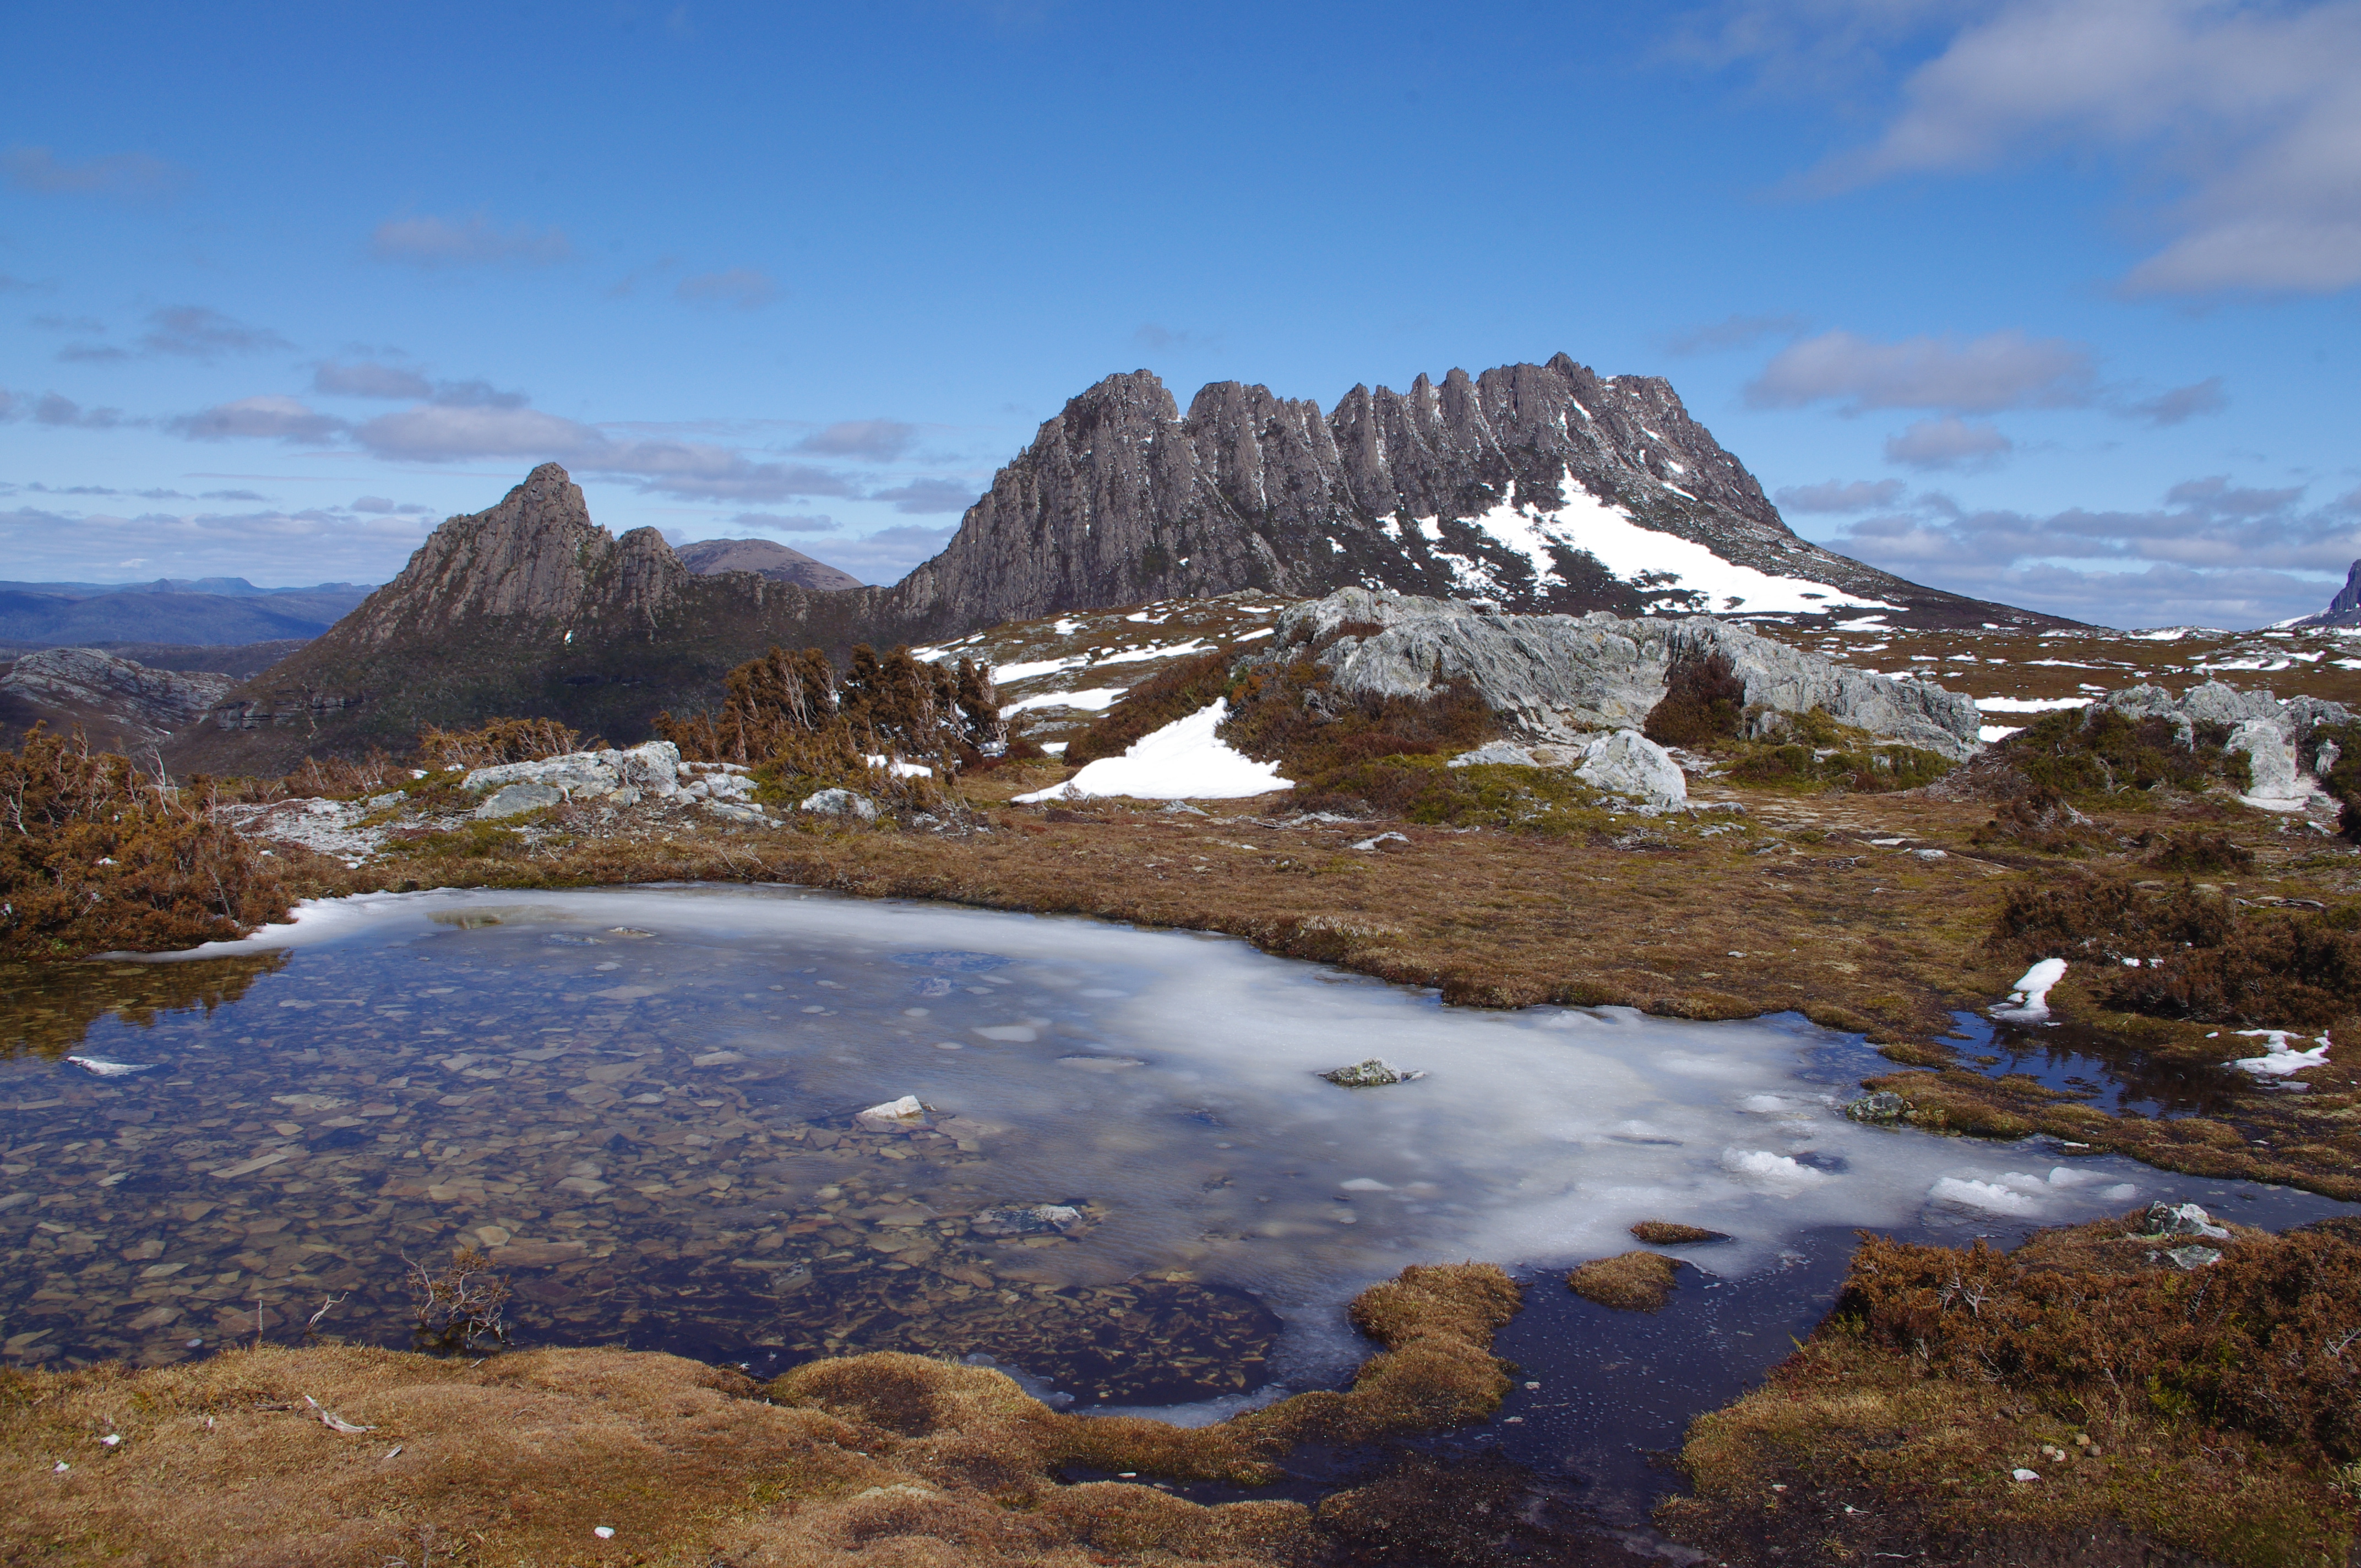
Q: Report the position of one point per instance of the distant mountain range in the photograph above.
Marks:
(1536, 486)
(212, 611)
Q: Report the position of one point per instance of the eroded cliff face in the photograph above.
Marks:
(1540, 487)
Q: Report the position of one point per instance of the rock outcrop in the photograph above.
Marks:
(116, 701)
(2287, 745)
(2345, 610)
(1554, 677)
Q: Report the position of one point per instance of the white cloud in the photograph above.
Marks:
(59, 412)
(887, 556)
(1999, 371)
(311, 546)
(1734, 332)
(474, 240)
(1949, 443)
(2249, 115)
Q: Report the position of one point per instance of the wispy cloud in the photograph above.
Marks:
(1733, 332)
(1162, 339)
(874, 440)
(1982, 375)
(1836, 495)
(922, 496)
(263, 418)
(122, 174)
(198, 332)
(741, 288)
(2210, 396)
(2214, 552)
(472, 241)
(368, 378)
(58, 412)
(790, 522)
(1950, 442)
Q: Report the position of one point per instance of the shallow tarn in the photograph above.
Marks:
(1128, 1180)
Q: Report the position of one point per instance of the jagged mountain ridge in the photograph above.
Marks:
(1121, 499)
(1492, 485)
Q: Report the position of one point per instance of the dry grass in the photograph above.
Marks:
(1670, 1232)
(1629, 1282)
(2162, 1411)
(884, 1458)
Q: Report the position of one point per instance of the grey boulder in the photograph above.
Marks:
(651, 769)
(840, 803)
(516, 799)
(1628, 763)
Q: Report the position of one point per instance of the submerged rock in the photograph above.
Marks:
(1881, 1107)
(1374, 1073)
(1028, 1220)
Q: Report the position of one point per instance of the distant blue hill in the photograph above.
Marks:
(207, 611)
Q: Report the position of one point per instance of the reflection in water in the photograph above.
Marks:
(2095, 1067)
(1126, 1175)
(47, 1009)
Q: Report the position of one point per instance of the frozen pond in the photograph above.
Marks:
(645, 1102)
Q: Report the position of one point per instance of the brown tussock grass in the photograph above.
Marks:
(2193, 1410)
(1671, 1232)
(881, 1458)
(1629, 1282)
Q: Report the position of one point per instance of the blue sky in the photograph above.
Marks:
(2048, 303)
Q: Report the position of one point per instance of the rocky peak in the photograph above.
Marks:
(2345, 610)
(533, 560)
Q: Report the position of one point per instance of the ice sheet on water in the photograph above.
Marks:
(1538, 1136)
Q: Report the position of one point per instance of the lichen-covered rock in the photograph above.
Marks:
(516, 799)
(841, 803)
(2270, 760)
(1883, 1106)
(1628, 763)
(1553, 677)
(651, 769)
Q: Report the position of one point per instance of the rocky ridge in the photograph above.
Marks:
(1541, 487)
(116, 701)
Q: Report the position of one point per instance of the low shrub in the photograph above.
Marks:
(2084, 753)
(96, 855)
(2196, 853)
(1167, 695)
(1704, 701)
(2106, 917)
(497, 741)
(2038, 818)
(2284, 972)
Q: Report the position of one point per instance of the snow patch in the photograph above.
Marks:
(2028, 999)
(1183, 761)
(1096, 699)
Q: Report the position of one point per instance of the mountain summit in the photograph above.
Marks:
(2345, 610)
(1539, 486)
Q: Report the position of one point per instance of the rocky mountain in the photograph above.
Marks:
(119, 704)
(209, 611)
(1539, 486)
(527, 607)
(764, 559)
(1542, 488)
(2345, 610)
